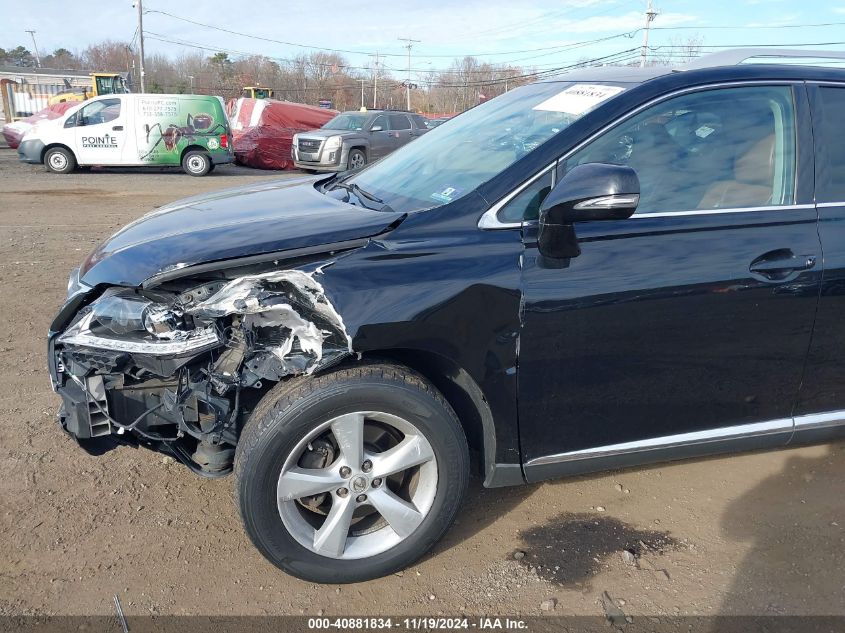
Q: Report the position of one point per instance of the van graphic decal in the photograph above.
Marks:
(161, 136)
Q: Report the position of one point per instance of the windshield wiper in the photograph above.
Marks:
(361, 194)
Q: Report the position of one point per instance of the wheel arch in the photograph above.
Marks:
(467, 400)
(364, 148)
(192, 148)
(47, 148)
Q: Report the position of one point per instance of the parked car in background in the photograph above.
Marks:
(433, 123)
(613, 267)
(353, 139)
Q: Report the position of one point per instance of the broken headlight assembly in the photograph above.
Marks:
(171, 364)
(124, 321)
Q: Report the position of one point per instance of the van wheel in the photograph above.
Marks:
(60, 160)
(350, 475)
(357, 159)
(196, 163)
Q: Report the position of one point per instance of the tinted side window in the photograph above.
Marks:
(382, 121)
(419, 120)
(830, 145)
(399, 122)
(526, 204)
(714, 149)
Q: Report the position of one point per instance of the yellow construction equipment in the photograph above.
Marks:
(101, 84)
(254, 92)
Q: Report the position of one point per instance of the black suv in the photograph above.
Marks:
(612, 268)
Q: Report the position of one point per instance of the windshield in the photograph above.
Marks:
(347, 122)
(454, 158)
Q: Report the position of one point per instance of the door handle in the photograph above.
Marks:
(781, 264)
(118, 128)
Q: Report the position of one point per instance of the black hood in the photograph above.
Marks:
(263, 218)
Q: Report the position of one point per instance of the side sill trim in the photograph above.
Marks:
(807, 422)
(819, 420)
(669, 441)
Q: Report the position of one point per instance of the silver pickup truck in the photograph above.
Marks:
(353, 139)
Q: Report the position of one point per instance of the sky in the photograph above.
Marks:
(543, 35)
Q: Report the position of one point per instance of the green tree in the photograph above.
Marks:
(20, 56)
(61, 58)
(222, 61)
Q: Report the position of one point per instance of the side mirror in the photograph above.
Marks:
(587, 193)
(376, 128)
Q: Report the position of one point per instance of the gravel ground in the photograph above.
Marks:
(758, 533)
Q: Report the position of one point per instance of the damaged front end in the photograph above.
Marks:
(176, 368)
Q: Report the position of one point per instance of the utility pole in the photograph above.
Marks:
(35, 46)
(650, 14)
(362, 94)
(140, 5)
(191, 77)
(375, 79)
(408, 44)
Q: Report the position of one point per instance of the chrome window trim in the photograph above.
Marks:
(827, 83)
(829, 419)
(489, 220)
(772, 207)
(669, 441)
(830, 204)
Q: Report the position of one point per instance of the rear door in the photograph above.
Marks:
(101, 132)
(689, 322)
(823, 388)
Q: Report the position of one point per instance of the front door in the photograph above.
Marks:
(381, 143)
(400, 129)
(101, 132)
(693, 316)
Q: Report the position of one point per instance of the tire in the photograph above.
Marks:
(196, 163)
(59, 160)
(289, 426)
(356, 159)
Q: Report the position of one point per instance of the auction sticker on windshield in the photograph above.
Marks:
(579, 98)
(446, 195)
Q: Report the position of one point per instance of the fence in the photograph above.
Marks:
(24, 99)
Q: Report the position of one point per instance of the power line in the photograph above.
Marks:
(359, 52)
(617, 57)
(752, 26)
(561, 49)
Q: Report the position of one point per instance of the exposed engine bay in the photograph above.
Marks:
(178, 366)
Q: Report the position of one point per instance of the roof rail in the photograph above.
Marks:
(735, 56)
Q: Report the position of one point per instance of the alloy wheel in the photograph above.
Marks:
(357, 485)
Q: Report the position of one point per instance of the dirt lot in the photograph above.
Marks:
(753, 534)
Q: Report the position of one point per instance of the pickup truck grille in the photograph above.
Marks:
(309, 145)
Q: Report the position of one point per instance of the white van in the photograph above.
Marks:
(134, 130)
